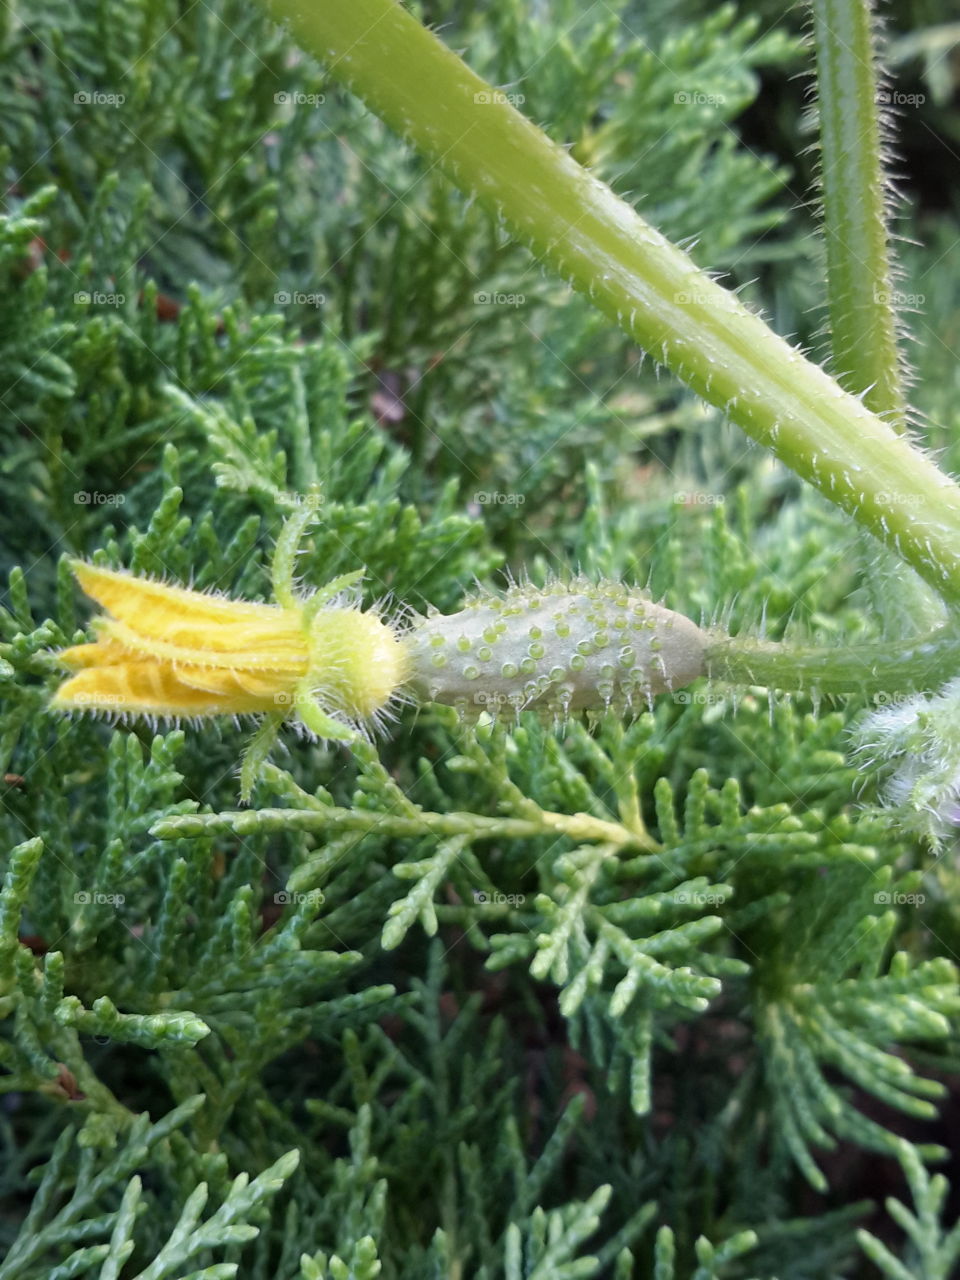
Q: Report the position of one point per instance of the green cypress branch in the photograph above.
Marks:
(933, 1253)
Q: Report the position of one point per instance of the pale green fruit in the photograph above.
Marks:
(562, 647)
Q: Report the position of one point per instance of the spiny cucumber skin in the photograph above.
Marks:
(559, 648)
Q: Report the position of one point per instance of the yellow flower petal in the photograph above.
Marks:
(92, 655)
(276, 644)
(143, 603)
(270, 688)
(150, 688)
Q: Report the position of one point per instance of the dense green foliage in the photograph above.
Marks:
(482, 999)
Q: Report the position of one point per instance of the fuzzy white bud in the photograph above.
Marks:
(915, 743)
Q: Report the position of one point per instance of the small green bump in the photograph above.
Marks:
(608, 671)
(534, 602)
(528, 666)
(484, 653)
(508, 670)
(471, 673)
(557, 673)
(490, 634)
(534, 633)
(656, 645)
(577, 662)
(464, 644)
(620, 623)
(563, 630)
(601, 639)
(436, 641)
(585, 647)
(627, 657)
(438, 660)
(535, 650)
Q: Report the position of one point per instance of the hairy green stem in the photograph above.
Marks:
(655, 292)
(860, 293)
(859, 281)
(922, 664)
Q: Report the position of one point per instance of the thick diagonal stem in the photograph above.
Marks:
(654, 291)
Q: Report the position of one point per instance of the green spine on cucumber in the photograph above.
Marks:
(558, 648)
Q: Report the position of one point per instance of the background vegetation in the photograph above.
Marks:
(437, 1050)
